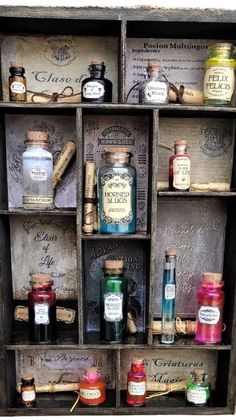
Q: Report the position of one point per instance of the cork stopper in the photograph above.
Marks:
(137, 361)
(114, 264)
(180, 142)
(117, 150)
(16, 63)
(153, 63)
(215, 278)
(199, 373)
(37, 136)
(170, 252)
(91, 370)
(97, 61)
(28, 376)
(39, 280)
(91, 374)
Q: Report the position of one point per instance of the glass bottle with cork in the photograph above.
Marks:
(42, 309)
(92, 387)
(136, 383)
(210, 301)
(96, 88)
(198, 389)
(28, 394)
(168, 298)
(179, 167)
(37, 172)
(117, 192)
(219, 79)
(155, 89)
(17, 82)
(113, 302)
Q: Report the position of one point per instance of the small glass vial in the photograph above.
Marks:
(17, 82)
(136, 383)
(117, 193)
(28, 394)
(168, 298)
(113, 302)
(92, 388)
(154, 90)
(42, 309)
(179, 167)
(219, 79)
(96, 89)
(37, 172)
(198, 389)
(210, 299)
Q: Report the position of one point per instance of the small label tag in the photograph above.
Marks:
(63, 314)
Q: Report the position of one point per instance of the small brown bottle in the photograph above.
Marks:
(17, 83)
(28, 394)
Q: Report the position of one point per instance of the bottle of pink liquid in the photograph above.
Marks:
(210, 307)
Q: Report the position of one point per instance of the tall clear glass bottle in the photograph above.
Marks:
(117, 192)
(96, 88)
(113, 302)
(155, 89)
(37, 172)
(168, 298)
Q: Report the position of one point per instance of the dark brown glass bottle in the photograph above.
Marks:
(17, 83)
(96, 89)
(42, 309)
(28, 394)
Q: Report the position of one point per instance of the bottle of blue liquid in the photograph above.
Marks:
(168, 298)
(117, 193)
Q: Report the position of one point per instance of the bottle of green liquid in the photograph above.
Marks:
(113, 298)
(198, 389)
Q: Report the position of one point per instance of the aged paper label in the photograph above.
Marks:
(63, 314)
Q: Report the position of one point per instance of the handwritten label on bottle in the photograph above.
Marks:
(208, 315)
(181, 173)
(219, 83)
(90, 394)
(197, 396)
(93, 90)
(169, 291)
(28, 395)
(38, 174)
(117, 194)
(17, 87)
(113, 306)
(156, 92)
(41, 315)
(137, 388)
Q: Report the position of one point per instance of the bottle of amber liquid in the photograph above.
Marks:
(17, 83)
(92, 388)
(96, 89)
(28, 394)
(113, 302)
(179, 168)
(117, 192)
(42, 309)
(136, 383)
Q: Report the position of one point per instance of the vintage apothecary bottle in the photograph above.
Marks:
(96, 88)
(136, 383)
(198, 389)
(210, 298)
(92, 387)
(117, 193)
(113, 302)
(28, 394)
(42, 309)
(168, 297)
(155, 89)
(17, 82)
(37, 172)
(219, 79)
(179, 167)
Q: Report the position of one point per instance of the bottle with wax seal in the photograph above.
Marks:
(219, 79)
(42, 309)
(136, 383)
(117, 192)
(155, 89)
(17, 82)
(37, 172)
(179, 167)
(92, 387)
(113, 302)
(28, 394)
(198, 389)
(96, 88)
(210, 298)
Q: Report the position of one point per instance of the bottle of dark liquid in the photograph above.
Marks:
(113, 296)
(42, 309)
(17, 82)
(96, 89)
(28, 394)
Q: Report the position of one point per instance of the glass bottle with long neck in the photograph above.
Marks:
(113, 302)
(168, 297)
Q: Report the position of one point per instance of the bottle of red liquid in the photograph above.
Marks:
(210, 307)
(42, 309)
(136, 383)
(92, 388)
(179, 168)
